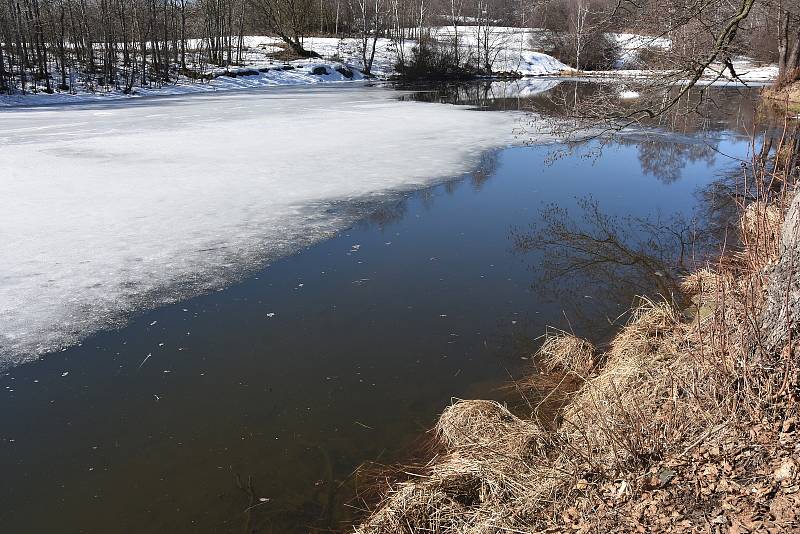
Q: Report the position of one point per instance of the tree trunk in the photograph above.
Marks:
(297, 47)
(783, 45)
(61, 52)
(792, 60)
(3, 83)
(781, 318)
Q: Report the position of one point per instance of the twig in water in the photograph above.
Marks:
(145, 359)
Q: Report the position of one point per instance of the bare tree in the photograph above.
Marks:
(371, 14)
(289, 20)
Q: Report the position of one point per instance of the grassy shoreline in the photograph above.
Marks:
(686, 422)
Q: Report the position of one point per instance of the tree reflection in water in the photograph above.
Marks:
(597, 264)
(600, 263)
(666, 160)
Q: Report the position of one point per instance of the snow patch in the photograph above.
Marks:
(628, 95)
(632, 45)
(529, 63)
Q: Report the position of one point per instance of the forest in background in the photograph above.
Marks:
(51, 45)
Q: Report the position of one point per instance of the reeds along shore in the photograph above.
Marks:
(686, 422)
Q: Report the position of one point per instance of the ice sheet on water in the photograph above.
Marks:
(109, 209)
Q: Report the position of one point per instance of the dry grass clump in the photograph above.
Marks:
(704, 282)
(484, 423)
(561, 366)
(564, 352)
(630, 384)
(460, 495)
(785, 98)
(486, 462)
(761, 228)
(648, 327)
(635, 352)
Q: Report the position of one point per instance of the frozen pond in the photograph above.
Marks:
(305, 285)
(109, 209)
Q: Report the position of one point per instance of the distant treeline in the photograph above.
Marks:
(53, 45)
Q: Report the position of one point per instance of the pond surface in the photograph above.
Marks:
(250, 406)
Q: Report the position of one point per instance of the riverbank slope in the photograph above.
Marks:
(686, 421)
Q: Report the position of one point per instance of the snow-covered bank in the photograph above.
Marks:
(748, 72)
(341, 61)
(511, 50)
(300, 72)
(516, 51)
(107, 209)
(631, 46)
